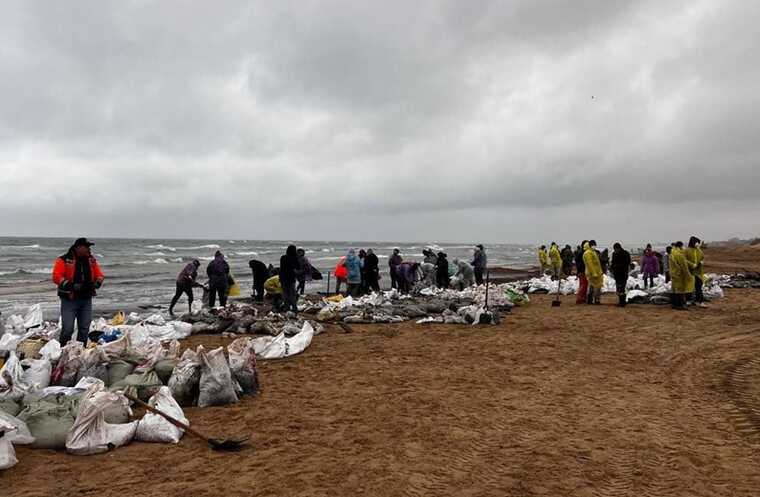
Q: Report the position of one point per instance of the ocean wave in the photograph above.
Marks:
(156, 254)
(245, 253)
(21, 270)
(177, 259)
(160, 260)
(201, 247)
(161, 247)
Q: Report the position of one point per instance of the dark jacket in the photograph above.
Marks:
(394, 261)
(567, 259)
(186, 277)
(371, 263)
(442, 272)
(580, 266)
(218, 272)
(260, 270)
(289, 267)
(621, 265)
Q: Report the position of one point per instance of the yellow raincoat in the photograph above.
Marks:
(273, 286)
(594, 272)
(695, 257)
(542, 258)
(555, 257)
(682, 280)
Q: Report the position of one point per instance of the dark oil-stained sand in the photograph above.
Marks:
(569, 401)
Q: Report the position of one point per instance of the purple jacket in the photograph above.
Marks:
(650, 264)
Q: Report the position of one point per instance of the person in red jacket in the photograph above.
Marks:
(77, 275)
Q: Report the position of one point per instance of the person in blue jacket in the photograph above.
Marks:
(354, 267)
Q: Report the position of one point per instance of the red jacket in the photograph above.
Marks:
(63, 274)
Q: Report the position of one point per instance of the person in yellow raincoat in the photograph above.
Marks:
(556, 261)
(681, 279)
(594, 272)
(543, 259)
(273, 288)
(695, 259)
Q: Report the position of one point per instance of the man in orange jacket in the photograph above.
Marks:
(77, 275)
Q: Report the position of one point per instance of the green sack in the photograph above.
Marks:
(9, 406)
(143, 386)
(118, 370)
(164, 369)
(50, 420)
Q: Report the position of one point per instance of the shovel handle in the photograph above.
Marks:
(175, 422)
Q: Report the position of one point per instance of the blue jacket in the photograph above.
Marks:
(354, 267)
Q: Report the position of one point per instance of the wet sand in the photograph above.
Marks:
(576, 400)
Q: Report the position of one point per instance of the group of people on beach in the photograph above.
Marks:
(77, 276)
(682, 267)
(360, 271)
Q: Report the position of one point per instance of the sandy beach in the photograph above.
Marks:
(575, 401)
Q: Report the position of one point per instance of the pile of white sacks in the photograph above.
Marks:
(634, 287)
(71, 398)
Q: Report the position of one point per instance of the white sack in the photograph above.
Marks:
(153, 427)
(216, 385)
(51, 350)
(37, 375)
(90, 434)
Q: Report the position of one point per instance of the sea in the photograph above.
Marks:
(141, 273)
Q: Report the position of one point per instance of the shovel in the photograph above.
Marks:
(220, 445)
(556, 302)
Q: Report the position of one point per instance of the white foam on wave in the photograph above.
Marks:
(160, 260)
(21, 270)
(245, 253)
(156, 254)
(161, 247)
(201, 247)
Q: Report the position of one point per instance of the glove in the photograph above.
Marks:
(98, 284)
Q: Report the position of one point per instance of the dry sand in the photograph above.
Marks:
(569, 401)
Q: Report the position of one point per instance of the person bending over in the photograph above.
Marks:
(186, 281)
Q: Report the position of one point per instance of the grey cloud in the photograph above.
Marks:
(291, 114)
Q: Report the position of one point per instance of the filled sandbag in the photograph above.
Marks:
(140, 385)
(164, 369)
(118, 370)
(185, 378)
(94, 365)
(37, 374)
(155, 428)
(49, 420)
(243, 364)
(21, 434)
(10, 406)
(216, 387)
(66, 371)
(7, 452)
(51, 350)
(12, 386)
(91, 434)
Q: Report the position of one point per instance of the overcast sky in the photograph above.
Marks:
(511, 121)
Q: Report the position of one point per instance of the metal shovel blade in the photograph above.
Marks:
(227, 445)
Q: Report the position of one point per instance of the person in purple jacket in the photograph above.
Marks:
(185, 284)
(650, 266)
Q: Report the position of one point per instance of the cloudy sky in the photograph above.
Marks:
(511, 121)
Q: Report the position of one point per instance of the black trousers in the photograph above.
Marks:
(699, 295)
(620, 290)
(394, 278)
(372, 281)
(258, 287)
(213, 291)
(478, 276)
(187, 290)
